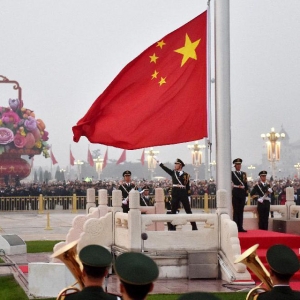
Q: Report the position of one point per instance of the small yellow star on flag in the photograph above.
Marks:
(188, 50)
(162, 81)
(153, 58)
(154, 75)
(160, 44)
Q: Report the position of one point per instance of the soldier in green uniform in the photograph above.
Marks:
(136, 272)
(283, 263)
(263, 191)
(125, 188)
(239, 193)
(180, 188)
(96, 261)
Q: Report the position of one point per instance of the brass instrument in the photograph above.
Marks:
(252, 261)
(68, 255)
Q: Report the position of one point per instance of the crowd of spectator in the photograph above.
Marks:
(69, 188)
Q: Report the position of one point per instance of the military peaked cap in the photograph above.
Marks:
(136, 268)
(282, 259)
(146, 188)
(237, 161)
(127, 172)
(95, 256)
(179, 161)
(262, 173)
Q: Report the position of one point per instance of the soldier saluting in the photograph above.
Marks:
(180, 188)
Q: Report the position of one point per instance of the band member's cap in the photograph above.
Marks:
(136, 268)
(282, 259)
(237, 161)
(127, 172)
(179, 161)
(262, 173)
(95, 256)
(146, 188)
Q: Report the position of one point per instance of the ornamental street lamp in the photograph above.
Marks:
(273, 147)
(79, 163)
(212, 166)
(297, 166)
(151, 161)
(99, 165)
(196, 157)
(251, 168)
(62, 171)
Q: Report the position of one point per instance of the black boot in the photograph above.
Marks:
(194, 226)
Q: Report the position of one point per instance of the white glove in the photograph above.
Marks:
(156, 158)
(261, 200)
(270, 190)
(125, 201)
(190, 199)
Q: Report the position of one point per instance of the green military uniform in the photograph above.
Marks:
(284, 261)
(239, 194)
(263, 191)
(180, 190)
(137, 272)
(98, 257)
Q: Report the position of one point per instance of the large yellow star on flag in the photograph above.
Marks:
(188, 50)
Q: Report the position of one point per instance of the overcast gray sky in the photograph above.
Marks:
(65, 53)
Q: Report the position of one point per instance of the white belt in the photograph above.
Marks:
(238, 186)
(179, 185)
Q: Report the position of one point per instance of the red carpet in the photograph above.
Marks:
(265, 239)
(24, 268)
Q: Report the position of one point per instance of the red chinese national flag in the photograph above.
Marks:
(105, 159)
(159, 97)
(143, 157)
(54, 161)
(72, 159)
(122, 158)
(90, 158)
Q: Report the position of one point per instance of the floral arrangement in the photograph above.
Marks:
(19, 129)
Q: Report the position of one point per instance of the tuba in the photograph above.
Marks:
(252, 261)
(68, 255)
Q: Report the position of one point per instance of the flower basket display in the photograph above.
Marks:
(21, 133)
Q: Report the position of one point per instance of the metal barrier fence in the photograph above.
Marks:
(41, 203)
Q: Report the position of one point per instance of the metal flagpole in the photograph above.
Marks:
(222, 88)
(208, 85)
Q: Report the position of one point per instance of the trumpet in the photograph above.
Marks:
(252, 261)
(68, 255)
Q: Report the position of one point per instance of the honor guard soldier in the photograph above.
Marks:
(262, 191)
(283, 263)
(145, 199)
(181, 191)
(239, 193)
(136, 272)
(126, 187)
(95, 260)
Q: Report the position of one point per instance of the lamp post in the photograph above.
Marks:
(99, 165)
(151, 161)
(273, 147)
(251, 168)
(62, 171)
(212, 165)
(79, 163)
(196, 157)
(297, 166)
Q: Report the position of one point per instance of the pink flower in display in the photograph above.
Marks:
(19, 140)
